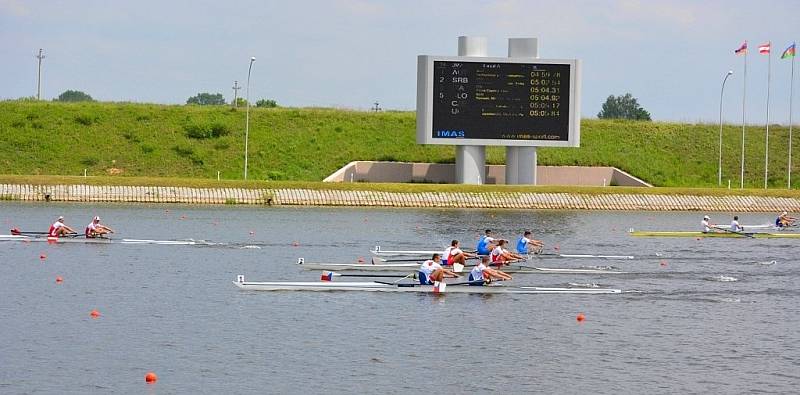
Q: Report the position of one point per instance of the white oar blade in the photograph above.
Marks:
(458, 268)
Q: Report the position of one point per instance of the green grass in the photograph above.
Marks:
(308, 144)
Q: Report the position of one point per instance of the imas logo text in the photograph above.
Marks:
(449, 133)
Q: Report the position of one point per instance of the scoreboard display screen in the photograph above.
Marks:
(498, 101)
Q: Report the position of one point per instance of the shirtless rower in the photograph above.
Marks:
(500, 255)
(58, 228)
(453, 254)
(95, 229)
(482, 273)
(526, 244)
(432, 270)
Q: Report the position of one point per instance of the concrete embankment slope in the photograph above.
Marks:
(335, 197)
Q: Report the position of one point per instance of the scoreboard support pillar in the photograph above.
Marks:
(471, 159)
(521, 161)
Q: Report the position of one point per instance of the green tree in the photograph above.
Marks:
(241, 102)
(269, 103)
(73, 96)
(207, 99)
(623, 107)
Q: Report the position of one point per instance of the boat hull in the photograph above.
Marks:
(381, 287)
(413, 267)
(641, 233)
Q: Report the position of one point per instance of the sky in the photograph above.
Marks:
(671, 55)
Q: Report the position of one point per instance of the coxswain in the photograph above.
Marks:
(500, 255)
(735, 227)
(482, 273)
(784, 220)
(526, 244)
(432, 270)
(94, 229)
(453, 255)
(58, 228)
(485, 243)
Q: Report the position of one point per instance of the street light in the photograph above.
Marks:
(247, 116)
(719, 173)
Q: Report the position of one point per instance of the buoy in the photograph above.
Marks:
(150, 378)
(42, 256)
(166, 211)
(663, 263)
(252, 232)
(95, 314)
(183, 217)
(698, 239)
(580, 317)
(556, 247)
(295, 244)
(59, 280)
(360, 260)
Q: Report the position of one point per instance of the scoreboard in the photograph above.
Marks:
(498, 101)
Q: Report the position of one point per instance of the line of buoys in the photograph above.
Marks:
(150, 378)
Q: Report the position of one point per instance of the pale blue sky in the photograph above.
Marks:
(671, 55)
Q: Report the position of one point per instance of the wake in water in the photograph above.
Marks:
(722, 278)
(584, 285)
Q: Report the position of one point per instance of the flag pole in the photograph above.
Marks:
(766, 146)
(791, 94)
(744, 97)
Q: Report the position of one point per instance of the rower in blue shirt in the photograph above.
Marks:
(485, 243)
(526, 244)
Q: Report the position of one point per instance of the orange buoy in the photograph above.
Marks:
(150, 378)
(95, 314)
(59, 280)
(580, 317)
(42, 256)
(295, 244)
(360, 260)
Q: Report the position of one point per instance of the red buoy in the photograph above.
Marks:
(59, 280)
(95, 314)
(42, 256)
(580, 317)
(663, 263)
(295, 244)
(360, 260)
(150, 378)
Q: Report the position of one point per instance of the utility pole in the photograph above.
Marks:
(236, 88)
(40, 56)
(376, 108)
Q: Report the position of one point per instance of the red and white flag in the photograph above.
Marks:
(764, 48)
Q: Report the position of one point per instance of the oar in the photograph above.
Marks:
(750, 235)
(327, 276)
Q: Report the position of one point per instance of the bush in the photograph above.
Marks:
(276, 175)
(85, 120)
(268, 103)
(147, 148)
(207, 99)
(73, 96)
(206, 131)
(183, 151)
(90, 161)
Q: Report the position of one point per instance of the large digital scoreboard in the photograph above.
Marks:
(498, 101)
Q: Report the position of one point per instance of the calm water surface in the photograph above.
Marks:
(710, 315)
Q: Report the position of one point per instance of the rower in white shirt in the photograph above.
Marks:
(453, 255)
(707, 226)
(500, 255)
(59, 228)
(482, 273)
(432, 271)
(735, 227)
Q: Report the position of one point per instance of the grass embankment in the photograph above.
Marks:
(195, 142)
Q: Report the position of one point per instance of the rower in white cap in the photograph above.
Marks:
(58, 228)
(94, 229)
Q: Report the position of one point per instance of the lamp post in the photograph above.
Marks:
(722, 91)
(247, 116)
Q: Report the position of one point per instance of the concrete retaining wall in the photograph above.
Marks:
(308, 197)
(443, 173)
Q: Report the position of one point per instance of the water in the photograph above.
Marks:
(710, 315)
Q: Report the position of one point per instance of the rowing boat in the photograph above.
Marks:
(378, 252)
(101, 240)
(413, 267)
(731, 234)
(375, 286)
(428, 253)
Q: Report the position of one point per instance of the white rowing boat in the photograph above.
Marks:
(101, 240)
(413, 267)
(426, 253)
(375, 286)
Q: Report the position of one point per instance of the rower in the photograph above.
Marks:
(432, 270)
(500, 255)
(735, 227)
(485, 243)
(58, 228)
(526, 244)
(453, 255)
(707, 225)
(482, 274)
(95, 229)
(784, 220)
